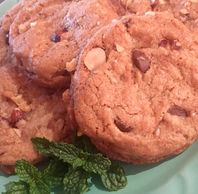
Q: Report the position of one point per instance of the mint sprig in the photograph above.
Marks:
(70, 167)
(72, 155)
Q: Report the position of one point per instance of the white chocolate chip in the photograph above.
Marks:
(119, 48)
(95, 58)
(150, 13)
(71, 66)
(178, 44)
(32, 24)
(157, 132)
(184, 12)
(153, 1)
(114, 21)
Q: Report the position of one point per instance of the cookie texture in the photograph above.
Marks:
(5, 23)
(27, 111)
(135, 90)
(137, 7)
(184, 10)
(47, 35)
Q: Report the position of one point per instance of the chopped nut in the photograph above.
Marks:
(22, 28)
(119, 48)
(95, 58)
(71, 66)
(21, 103)
(150, 13)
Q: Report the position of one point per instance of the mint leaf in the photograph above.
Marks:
(16, 188)
(31, 175)
(74, 156)
(96, 163)
(42, 145)
(54, 173)
(114, 179)
(75, 181)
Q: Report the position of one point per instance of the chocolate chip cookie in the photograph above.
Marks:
(27, 111)
(136, 87)
(47, 35)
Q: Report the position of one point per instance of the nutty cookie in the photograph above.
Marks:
(47, 35)
(27, 111)
(136, 87)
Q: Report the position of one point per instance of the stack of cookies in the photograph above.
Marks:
(123, 72)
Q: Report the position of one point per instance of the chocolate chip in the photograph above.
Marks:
(55, 37)
(121, 126)
(172, 43)
(178, 111)
(141, 61)
(7, 38)
(16, 116)
(65, 29)
(154, 3)
(164, 43)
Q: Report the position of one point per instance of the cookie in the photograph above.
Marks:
(47, 35)
(5, 23)
(136, 87)
(27, 111)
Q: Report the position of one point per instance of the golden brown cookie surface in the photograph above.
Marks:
(135, 89)
(47, 35)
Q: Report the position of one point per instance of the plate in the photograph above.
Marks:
(178, 175)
